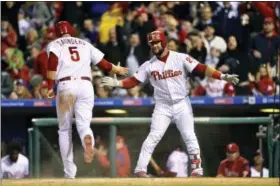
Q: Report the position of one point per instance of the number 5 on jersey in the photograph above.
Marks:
(74, 54)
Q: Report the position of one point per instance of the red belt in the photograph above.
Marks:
(69, 78)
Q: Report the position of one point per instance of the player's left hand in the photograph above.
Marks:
(122, 70)
(50, 94)
(231, 78)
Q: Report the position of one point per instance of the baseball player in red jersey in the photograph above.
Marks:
(234, 165)
(69, 61)
(167, 72)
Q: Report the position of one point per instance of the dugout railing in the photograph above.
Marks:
(34, 137)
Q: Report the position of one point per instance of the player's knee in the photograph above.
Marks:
(65, 130)
(154, 138)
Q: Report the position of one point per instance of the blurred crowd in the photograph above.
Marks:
(234, 37)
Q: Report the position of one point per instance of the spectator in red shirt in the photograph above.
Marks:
(234, 165)
(8, 36)
(122, 160)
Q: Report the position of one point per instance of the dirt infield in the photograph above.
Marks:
(144, 182)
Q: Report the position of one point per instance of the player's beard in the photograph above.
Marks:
(158, 54)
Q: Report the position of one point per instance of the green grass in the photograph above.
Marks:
(145, 182)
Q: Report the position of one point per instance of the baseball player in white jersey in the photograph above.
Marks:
(177, 163)
(69, 65)
(167, 72)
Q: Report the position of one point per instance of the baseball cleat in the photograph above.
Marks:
(141, 174)
(197, 172)
(89, 151)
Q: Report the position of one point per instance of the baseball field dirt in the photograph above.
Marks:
(145, 182)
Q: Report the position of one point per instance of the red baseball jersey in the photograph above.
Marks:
(235, 168)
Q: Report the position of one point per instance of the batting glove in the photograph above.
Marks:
(110, 82)
(231, 78)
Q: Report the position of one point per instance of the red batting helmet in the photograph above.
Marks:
(157, 36)
(63, 27)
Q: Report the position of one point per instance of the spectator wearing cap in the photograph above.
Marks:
(263, 83)
(42, 91)
(16, 65)
(123, 161)
(234, 165)
(264, 46)
(255, 170)
(269, 9)
(14, 165)
(8, 36)
(20, 90)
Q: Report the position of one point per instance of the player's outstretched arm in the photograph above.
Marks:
(126, 83)
(209, 71)
(109, 67)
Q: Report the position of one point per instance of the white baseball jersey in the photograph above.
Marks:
(75, 56)
(214, 88)
(16, 170)
(168, 78)
(255, 173)
(178, 162)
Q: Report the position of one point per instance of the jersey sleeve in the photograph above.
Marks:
(95, 55)
(54, 48)
(143, 73)
(189, 62)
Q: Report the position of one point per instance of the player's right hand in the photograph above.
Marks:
(231, 78)
(50, 94)
(121, 70)
(109, 81)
